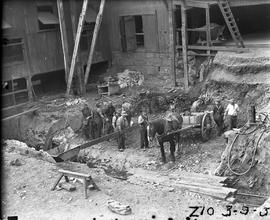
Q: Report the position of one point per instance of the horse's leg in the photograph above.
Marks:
(163, 157)
(172, 149)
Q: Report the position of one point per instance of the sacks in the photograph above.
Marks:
(119, 208)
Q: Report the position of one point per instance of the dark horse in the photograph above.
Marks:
(159, 127)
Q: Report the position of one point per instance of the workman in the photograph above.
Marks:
(126, 107)
(231, 113)
(121, 124)
(218, 115)
(85, 126)
(116, 115)
(143, 122)
(108, 113)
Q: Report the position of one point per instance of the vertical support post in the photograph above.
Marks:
(184, 44)
(26, 54)
(94, 39)
(208, 31)
(76, 45)
(172, 40)
(63, 32)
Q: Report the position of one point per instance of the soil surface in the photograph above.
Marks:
(28, 188)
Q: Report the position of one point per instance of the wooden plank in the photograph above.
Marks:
(15, 92)
(74, 174)
(208, 31)
(73, 152)
(184, 45)
(214, 48)
(207, 185)
(64, 40)
(172, 40)
(206, 191)
(94, 39)
(22, 113)
(76, 46)
(218, 179)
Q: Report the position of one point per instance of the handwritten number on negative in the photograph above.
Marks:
(245, 210)
(265, 213)
(229, 210)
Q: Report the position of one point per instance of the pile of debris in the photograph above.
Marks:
(130, 78)
(247, 157)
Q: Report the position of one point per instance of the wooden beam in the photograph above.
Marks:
(63, 32)
(214, 48)
(94, 39)
(26, 53)
(20, 114)
(76, 45)
(184, 45)
(208, 32)
(172, 40)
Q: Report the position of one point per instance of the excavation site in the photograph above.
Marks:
(136, 110)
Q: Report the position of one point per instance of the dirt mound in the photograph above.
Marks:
(253, 62)
(247, 157)
(245, 95)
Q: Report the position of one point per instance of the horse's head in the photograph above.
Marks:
(151, 132)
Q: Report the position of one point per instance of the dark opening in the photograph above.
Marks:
(12, 50)
(139, 30)
(49, 83)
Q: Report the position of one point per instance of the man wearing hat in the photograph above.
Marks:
(231, 113)
(108, 112)
(218, 114)
(121, 124)
(143, 121)
(116, 115)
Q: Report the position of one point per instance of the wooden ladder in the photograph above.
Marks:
(231, 23)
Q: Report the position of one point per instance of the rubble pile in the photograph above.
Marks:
(247, 157)
(130, 78)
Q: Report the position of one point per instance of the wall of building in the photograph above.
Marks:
(155, 57)
(43, 49)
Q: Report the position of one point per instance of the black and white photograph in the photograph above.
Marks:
(135, 110)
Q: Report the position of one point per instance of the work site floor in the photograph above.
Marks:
(27, 190)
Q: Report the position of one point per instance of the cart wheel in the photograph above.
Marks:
(206, 127)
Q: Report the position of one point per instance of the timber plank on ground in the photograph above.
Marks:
(74, 151)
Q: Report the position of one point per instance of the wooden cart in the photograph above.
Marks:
(198, 120)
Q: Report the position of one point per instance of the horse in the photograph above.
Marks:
(160, 127)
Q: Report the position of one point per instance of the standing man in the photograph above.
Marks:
(232, 112)
(116, 115)
(143, 121)
(218, 114)
(126, 107)
(121, 124)
(108, 113)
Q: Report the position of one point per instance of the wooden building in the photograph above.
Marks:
(32, 44)
(147, 35)
(142, 35)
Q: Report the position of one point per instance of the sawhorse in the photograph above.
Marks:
(87, 179)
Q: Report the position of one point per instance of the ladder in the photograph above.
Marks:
(230, 21)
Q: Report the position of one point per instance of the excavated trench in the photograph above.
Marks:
(60, 121)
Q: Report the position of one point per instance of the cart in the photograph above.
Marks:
(201, 121)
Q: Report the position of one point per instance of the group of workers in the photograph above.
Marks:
(119, 119)
(229, 114)
(112, 120)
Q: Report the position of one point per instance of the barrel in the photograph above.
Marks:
(252, 114)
